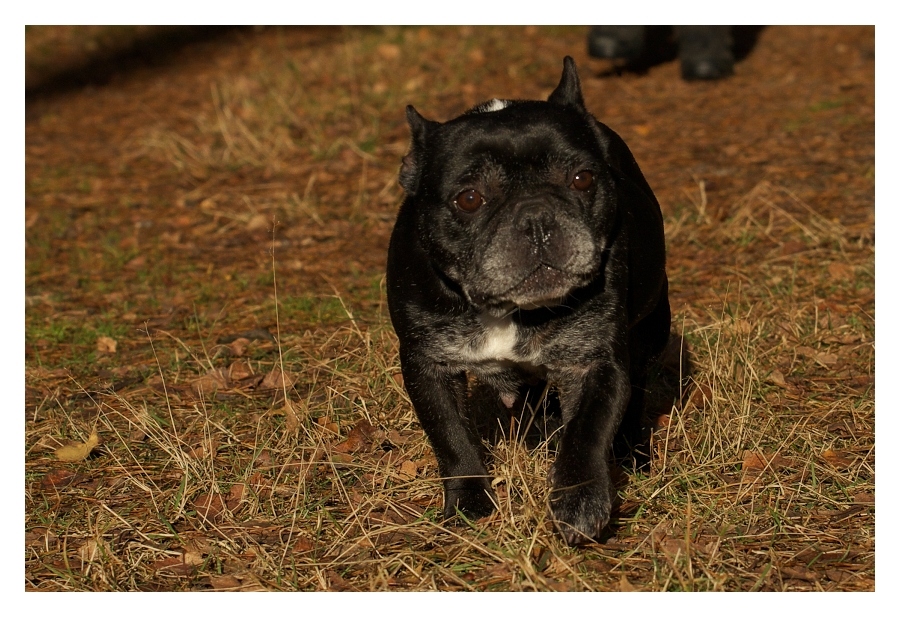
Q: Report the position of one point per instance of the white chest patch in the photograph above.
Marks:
(496, 342)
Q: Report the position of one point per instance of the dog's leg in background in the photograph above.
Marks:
(439, 398)
(646, 341)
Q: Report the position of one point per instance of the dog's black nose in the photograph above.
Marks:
(536, 222)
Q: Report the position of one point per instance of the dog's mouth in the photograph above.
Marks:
(545, 286)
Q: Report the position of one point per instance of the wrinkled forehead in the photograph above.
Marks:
(525, 137)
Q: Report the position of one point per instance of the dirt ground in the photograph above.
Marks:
(153, 179)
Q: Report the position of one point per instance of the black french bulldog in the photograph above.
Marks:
(529, 246)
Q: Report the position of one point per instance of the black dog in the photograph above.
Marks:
(529, 247)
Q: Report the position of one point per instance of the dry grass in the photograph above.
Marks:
(298, 464)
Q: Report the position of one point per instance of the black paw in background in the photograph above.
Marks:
(705, 52)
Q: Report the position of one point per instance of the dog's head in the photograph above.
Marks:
(513, 201)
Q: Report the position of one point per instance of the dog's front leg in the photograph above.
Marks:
(593, 402)
(439, 398)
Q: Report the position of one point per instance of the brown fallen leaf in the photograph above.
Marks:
(91, 551)
(755, 463)
(701, 396)
(239, 369)
(209, 506)
(341, 459)
(61, 478)
(388, 51)
(407, 470)
(642, 129)
(839, 271)
(328, 426)
(207, 448)
(777, 377)
(78, 452)
(137, 263)
(106, 344)
(625, 585)
(826, 359)
(800, 573)
(174, 565)
(257, 222)
(216, 379)
(838, 576)
(235, 495)
(303, 545)
(238, 347)
(226, 582)
(359, 438)
(260, 484)
(838, 459)
(278, 379)
(291, 417)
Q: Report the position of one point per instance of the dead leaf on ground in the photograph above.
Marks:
(701, 396)
(137, 263)
(258, 334)
(359, 438)
(258, 222)
(407, 470)
(826, 359)
(260, 485)
(106, 344)
(278, 379)
(838, 576)
(303, 545)
(92, 551)
(800, 573)
(235, 495)
(625, 585)
(336, 582)
(838, 459)
(238, 347)
(388, 51)
(206, 448)
(225, 582)
(174, 565)
(331, 427)
(341, 459)
(239, 369)
(777, 377)
(210, 506)
(755, 463)
(214, 380)
(61, 478)
(840, 271)
(78, 452)
(291, 416)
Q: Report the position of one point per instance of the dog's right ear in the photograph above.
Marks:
(411, 167)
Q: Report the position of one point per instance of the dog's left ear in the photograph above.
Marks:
(568, 92)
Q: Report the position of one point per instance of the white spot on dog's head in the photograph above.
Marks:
(492, 105)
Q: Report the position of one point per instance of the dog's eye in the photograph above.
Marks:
(469, 201)
(583, 180)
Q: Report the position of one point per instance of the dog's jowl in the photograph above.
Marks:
(529, 249)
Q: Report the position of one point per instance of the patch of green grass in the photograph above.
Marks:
(312, 309)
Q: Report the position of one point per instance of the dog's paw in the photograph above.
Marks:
(473, 497)
(580, 511)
